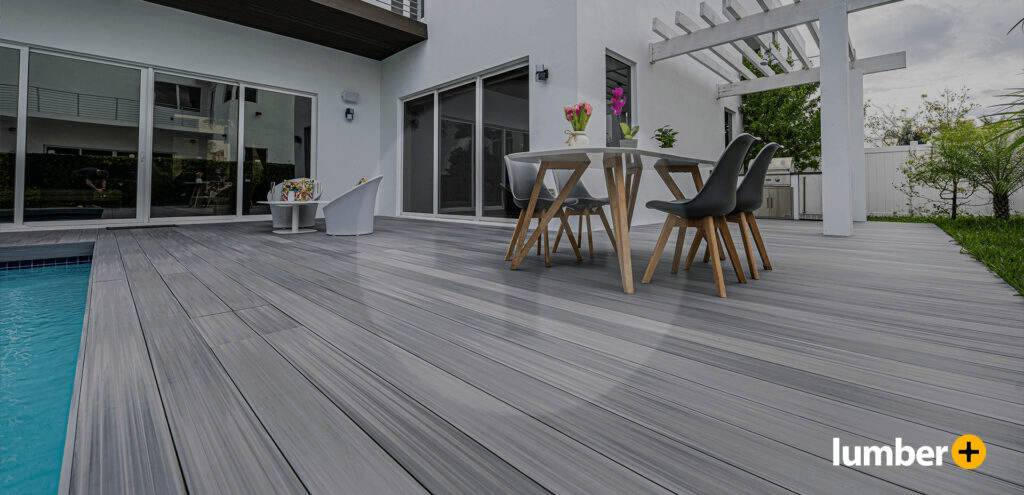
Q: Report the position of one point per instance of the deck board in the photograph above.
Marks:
(413, 360)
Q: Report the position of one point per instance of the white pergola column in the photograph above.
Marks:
(837, 205)
(858, 175)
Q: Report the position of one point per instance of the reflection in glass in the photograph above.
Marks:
(195, 139)
(9, 60)
(506, 130)
(456, 161)
(82, 140)
(418, 156)
(278, 128)
(617, 75)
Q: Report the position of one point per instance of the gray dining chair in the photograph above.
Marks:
(586, 204)
(706, 211)
(521, 177)
(749, 197)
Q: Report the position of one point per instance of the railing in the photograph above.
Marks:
(412, 9)
(58, 102)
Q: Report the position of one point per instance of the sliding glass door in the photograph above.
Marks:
(10, 61)
(278, 135)
(477, 124)
(506, 130)
(82, 140)
(195, 147)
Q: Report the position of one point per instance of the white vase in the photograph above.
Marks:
(577, 139)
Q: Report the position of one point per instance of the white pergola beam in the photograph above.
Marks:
(689, 25)
(774, 20)
(662, 29)
(713, 19)
(734, 11)
(870, 65)
(790, 36)
(816, 36)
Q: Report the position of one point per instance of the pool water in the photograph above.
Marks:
(41, 313)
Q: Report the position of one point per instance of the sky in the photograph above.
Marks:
(949, 44)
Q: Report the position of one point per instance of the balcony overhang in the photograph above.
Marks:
(352, 26)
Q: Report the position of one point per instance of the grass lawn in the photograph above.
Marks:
(997, 243)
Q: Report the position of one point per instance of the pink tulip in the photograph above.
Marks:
(589, 109)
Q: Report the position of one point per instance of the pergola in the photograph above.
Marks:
(729, 36)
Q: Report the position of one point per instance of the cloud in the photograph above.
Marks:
(949, 44)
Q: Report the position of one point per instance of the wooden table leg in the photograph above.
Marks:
(617, 197)
(555, 209)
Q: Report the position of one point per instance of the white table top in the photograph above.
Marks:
(293, 203)
(578, 154)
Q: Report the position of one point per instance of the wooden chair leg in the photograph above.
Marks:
(590, 235)
(721, 251)
(666, 231)
(680, 243)
(579, 231)
(716, 264)
(547, 250)
(561, 228)
(730, 247)
(568, 234)
(748, 246)
(756, 232)
(607, 228)
(515, 235)
(694, 247)
(538, 244)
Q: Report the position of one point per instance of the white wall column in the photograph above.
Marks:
(837, 206)
(858, 176)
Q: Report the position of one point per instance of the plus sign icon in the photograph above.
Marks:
(968, 451)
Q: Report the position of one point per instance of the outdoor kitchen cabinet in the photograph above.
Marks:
(778, 203)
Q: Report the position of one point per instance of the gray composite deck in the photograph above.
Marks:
(224, 359)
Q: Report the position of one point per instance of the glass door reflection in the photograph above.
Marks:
(195, 139)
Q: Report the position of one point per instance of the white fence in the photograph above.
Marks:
(883, 178)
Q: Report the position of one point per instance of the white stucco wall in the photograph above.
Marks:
(145, 34)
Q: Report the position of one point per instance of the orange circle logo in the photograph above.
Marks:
(968, 451)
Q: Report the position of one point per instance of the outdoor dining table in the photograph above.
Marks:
(623, 168)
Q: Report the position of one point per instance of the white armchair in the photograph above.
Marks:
(282, 215)
(352, 212)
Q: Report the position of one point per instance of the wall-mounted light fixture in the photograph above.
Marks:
(542, 73)
(350, 114)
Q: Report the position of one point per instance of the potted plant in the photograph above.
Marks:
(578, 115)
(628, 134)
(666, 136)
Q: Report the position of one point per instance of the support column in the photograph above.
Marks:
(837, 206)
(858, 174)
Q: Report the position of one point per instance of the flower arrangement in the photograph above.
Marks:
(301, 189)
(618, 102)
(666, 136)
(578, 115)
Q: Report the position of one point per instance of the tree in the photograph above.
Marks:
(998, 166)
(788, 116)
(946, 169)
(887, 126)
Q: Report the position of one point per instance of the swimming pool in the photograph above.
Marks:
(40, 328)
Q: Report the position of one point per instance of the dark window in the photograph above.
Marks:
(176, 96)
(250, 94)
(166, 94)
(728, 126)
(229, 93)
(618, 74)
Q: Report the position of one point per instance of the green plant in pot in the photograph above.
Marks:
(666, 136)
(628, 135)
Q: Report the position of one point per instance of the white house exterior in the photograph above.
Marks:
(477, 66)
